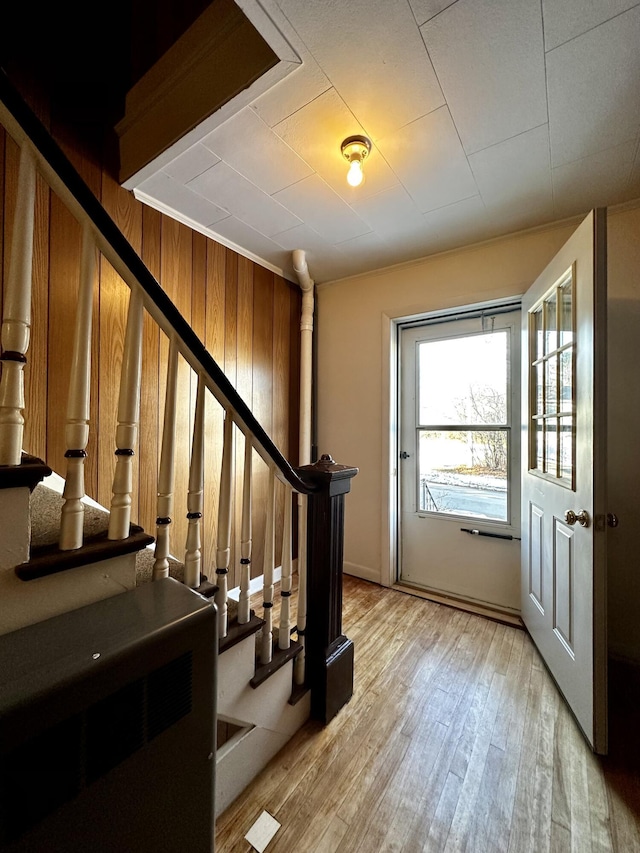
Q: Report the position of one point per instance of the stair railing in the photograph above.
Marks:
(325, 662)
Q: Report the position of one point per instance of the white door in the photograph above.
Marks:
(563, 472)
(460, 457)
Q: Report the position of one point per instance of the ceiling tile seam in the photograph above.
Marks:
(426, 213)
(280, 139)
(255, 186)
(330, 188)
(446, 102)
(591, 29)
(508, 138)
(437, 14)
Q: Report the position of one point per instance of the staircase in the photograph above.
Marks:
(62, 551)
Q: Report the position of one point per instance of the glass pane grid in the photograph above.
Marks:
(552, 369)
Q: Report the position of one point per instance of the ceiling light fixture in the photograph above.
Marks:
(354, 150)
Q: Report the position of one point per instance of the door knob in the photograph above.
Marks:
(581, 517)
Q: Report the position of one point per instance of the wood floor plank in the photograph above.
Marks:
(456, 739)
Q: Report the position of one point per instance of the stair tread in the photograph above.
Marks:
(46, 507)
(279, 657)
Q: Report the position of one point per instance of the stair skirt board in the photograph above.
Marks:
(237, 768)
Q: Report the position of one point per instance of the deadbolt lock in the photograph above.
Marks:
(581, 517)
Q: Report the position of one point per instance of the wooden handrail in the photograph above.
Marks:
(22, 124)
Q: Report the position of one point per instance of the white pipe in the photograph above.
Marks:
(306, 340)
(304, 455)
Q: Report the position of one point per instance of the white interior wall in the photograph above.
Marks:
(355, 385)
(354, 381)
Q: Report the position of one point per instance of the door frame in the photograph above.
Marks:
(390, 503)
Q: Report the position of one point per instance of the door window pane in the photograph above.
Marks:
(566, 447)
(566, 314)
(552, 401)
(463, 472)
(551, 338)
(463, 380)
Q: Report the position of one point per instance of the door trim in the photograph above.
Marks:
(390, 439)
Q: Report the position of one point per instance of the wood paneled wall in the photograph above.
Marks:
(247, 317)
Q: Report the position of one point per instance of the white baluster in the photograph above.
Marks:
(167, 467)
(223, 551)
(284, 633)
(301, 620)
(78, 405)
(16, 322)
(128, 417)
(267, 590)
(193, 550)
(245, 536)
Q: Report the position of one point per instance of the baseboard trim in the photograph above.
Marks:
(362, 572)
(494, 613)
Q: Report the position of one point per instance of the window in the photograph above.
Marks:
(552, 402)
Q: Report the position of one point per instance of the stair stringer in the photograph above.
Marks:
(265, 712)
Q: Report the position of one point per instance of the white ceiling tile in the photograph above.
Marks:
(317, 205)
(353, 46)
(316, 132)
(424, 10)
(459, 223)
(262, 157)
(193, 162)
(489, 58)
(390, 214)
(367, 252)
(235, 231)
(243, 199)
(176, 196)
(586, 77)
(302, 237)
(429, 161)
(566, 19)
(598, 180)
(289, 95)
(514, 177)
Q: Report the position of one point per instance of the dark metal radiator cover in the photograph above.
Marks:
(107, 726)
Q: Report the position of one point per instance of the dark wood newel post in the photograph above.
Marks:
(329, 654)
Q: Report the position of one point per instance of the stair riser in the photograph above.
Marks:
(24, 603)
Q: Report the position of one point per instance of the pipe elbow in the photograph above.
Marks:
(301, 269)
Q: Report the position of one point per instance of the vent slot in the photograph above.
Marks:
(41, 775)
(170, 694)
(115, 729)
(51, 768)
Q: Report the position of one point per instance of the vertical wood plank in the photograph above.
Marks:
(35, 433)
(215, 306)
(244, 385)
(198, 323)
(231, 364)
(176, 277)
(91, 172)
(149, 449)
(280, 389)
(127, 215)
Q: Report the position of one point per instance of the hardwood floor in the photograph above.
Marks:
(456, 739)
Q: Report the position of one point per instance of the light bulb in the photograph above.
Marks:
(354, 175)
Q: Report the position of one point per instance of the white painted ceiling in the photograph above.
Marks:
(486, 116)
